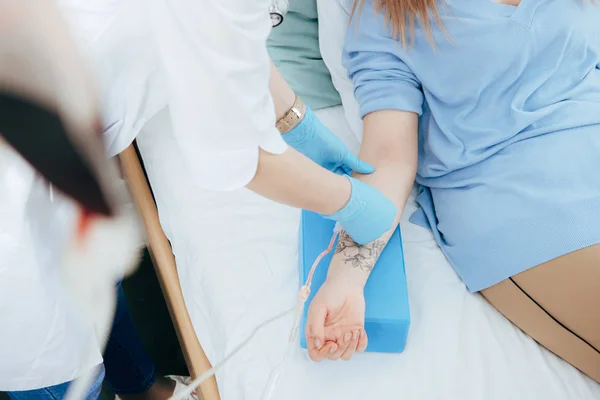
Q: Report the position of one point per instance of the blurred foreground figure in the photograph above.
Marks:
(59, 259)
(48, 106)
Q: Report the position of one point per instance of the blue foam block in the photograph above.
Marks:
(387, 313)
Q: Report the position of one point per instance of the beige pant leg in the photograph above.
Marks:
(558, 304)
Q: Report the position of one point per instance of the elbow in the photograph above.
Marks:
(391, 138)
(397, 157)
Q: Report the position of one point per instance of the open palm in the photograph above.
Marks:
(335, 323)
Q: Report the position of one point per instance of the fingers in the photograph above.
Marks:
(319, 355)
(315, 328)
(357, 342)
(347, 355)
(358, 165)
(343, 342)
(363, 341)
(343, 170)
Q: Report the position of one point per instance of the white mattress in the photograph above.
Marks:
(237, 260)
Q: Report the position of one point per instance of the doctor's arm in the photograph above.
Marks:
(291, 166)
(293, 179)
(283, 95)
(288, 168)
(308, 135)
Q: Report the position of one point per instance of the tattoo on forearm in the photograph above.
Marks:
(363, 257)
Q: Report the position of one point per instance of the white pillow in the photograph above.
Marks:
(333, 21)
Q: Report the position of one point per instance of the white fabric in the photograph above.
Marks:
(218, 79)
(238, 266)
(237, 259)
(206, 59)
(117, 40)
(43, 341)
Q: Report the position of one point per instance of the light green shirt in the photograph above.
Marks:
(294, 48)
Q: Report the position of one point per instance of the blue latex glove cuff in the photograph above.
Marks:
(354, 206)
(302, 132)
(367, 215)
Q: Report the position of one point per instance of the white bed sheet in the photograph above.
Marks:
(237, 260)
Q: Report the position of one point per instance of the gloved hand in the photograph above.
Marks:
(368, 214)
(311, 138)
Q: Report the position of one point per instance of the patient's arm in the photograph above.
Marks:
(390, 144)
(335, 326)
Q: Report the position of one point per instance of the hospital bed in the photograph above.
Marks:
(236, 257)
(237, 265)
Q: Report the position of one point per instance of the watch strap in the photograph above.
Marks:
(293, 117)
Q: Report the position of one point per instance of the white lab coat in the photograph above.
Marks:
(206, 60)
(43, 341)
(57, 291)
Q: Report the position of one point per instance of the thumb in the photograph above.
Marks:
(315, 332)
(358, 165)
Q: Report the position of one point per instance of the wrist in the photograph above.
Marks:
(340, 272)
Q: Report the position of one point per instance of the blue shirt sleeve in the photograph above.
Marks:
(382, 80)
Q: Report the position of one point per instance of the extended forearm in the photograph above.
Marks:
(390, 144)
(293, 179)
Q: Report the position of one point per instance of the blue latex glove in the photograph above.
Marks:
(368, 214)
(311, 138)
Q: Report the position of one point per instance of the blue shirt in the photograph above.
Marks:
(509, 135)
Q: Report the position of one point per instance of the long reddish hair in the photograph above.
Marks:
(403, 14)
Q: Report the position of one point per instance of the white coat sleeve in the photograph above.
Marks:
(217, 70)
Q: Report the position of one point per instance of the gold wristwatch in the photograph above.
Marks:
(292, 117)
